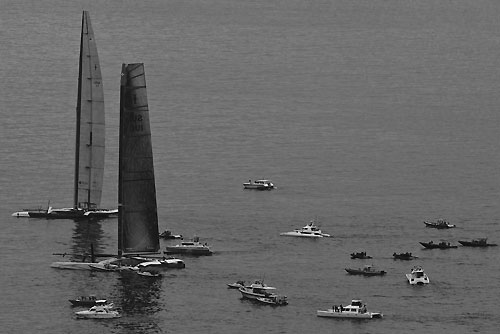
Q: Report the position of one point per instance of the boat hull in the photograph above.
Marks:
(303, 235)
(417, 280)
(365, 272)
(72, 265)
(439, 226)
(257, 187)
(274, 301)
(475, 244)
(75, 214)
(21, 214)
(89, 315)
(188, 251)
(347, 315)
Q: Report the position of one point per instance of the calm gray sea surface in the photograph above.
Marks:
(369, 116)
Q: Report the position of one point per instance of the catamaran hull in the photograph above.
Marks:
(21, 214)
(72, 265)
(67, 214)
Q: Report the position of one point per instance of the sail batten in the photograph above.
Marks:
(90, 131)
(138, 217)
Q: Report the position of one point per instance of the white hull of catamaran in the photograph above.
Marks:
(72, 265)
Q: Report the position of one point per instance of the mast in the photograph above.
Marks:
(78, 112)
(123, 83)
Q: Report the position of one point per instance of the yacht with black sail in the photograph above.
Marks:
(90, 139)
(138, 237)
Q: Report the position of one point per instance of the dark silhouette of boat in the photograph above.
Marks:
(440, 245)
(439, 224)
(167, 234)
(360, 255)
(87, 301)
(404, 256)
(481, 242)
(366, 271)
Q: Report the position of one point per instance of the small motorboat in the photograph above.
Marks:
(360, 255)
(273, 300)
(404, 256)
(236, 285)
(357, 310)
(417, 276)
(366, 271)
(194, 247)
(98, 312)
(440, 245)
(267, 294)
(439, 224)
(308, 231)
(259, 185)
(168, 235)
(481, 242)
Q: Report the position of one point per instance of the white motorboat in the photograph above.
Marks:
(194, 247)
(259, 185)
(308, 231)
(357, 310)
(261, 292)
(417, 276)
(98, 312)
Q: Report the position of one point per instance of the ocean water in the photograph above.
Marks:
(369, 116)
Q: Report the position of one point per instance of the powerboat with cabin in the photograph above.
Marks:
(194, 247)
(357, 310)
(366, 271)
(259, 185)
(360, 255)
(417, 276)
(440, 245)
(439, 224)
(482, 242)
(308, 231)
(404, 256)
(98, 312)
(262, 293)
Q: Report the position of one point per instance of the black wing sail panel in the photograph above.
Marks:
(138, 217)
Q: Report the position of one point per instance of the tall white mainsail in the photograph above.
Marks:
(90, 126)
